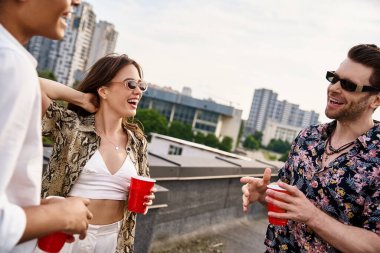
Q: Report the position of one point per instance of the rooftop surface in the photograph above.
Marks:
(245, 235)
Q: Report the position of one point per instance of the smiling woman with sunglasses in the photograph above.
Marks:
(97, 149)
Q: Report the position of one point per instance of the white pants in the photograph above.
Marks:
(99, 239)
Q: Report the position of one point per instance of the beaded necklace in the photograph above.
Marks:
(333, 150)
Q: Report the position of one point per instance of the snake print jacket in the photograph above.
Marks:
(75, 141)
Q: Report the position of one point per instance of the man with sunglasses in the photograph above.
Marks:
(333, 170)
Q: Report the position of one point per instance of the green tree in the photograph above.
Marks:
(226, 144)
(199, 137)
(258, 136)
(279, 146)
(47, 74)
(284, 157)
(180, 130)
(152, 121)
(46, 141)
(211, 140)
(251, 143)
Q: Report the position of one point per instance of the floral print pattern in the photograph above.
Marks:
(347, 189)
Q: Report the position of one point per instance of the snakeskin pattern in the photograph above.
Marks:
(75, 141)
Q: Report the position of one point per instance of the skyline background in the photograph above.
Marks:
(224, 50)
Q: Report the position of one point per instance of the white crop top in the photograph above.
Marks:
(96, 182)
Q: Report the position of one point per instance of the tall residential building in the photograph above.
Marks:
(45, 51)
(73, 51)
(265, 107)
(84, 41)
(204, 116)
(263, 104)
(103, 42)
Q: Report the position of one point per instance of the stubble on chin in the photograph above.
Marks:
(349, 113)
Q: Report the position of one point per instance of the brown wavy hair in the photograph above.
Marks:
(100, 74)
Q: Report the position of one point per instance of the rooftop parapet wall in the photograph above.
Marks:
(202, 192)
(198, 204)
(194, 168)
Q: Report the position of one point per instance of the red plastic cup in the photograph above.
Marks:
(276, 209)
(139, 188)
(52, 243)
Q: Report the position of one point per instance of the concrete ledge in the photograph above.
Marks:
(198, 204)
(199, 168)
(161, 199)
(237, 235)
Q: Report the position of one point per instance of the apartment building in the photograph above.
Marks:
(204, 115)
(266, 108)
(103, 42)
(85, 42)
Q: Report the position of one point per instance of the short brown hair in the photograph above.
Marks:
(368, 55)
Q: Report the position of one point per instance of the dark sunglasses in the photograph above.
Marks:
(132, 84)
(333, 78)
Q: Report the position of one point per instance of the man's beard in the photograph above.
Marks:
(350, 113)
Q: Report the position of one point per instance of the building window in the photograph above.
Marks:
(208, 116)
(184, 114)
(175, 150)
(165, 108)
(205, 127)
(76, 23)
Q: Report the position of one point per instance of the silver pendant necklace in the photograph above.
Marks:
(115, 146)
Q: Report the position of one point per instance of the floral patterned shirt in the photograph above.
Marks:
(347, 189)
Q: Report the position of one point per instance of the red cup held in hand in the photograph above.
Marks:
(52, 243)
(139, 188)
(276, 209)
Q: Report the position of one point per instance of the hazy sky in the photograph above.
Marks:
(225, 49)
